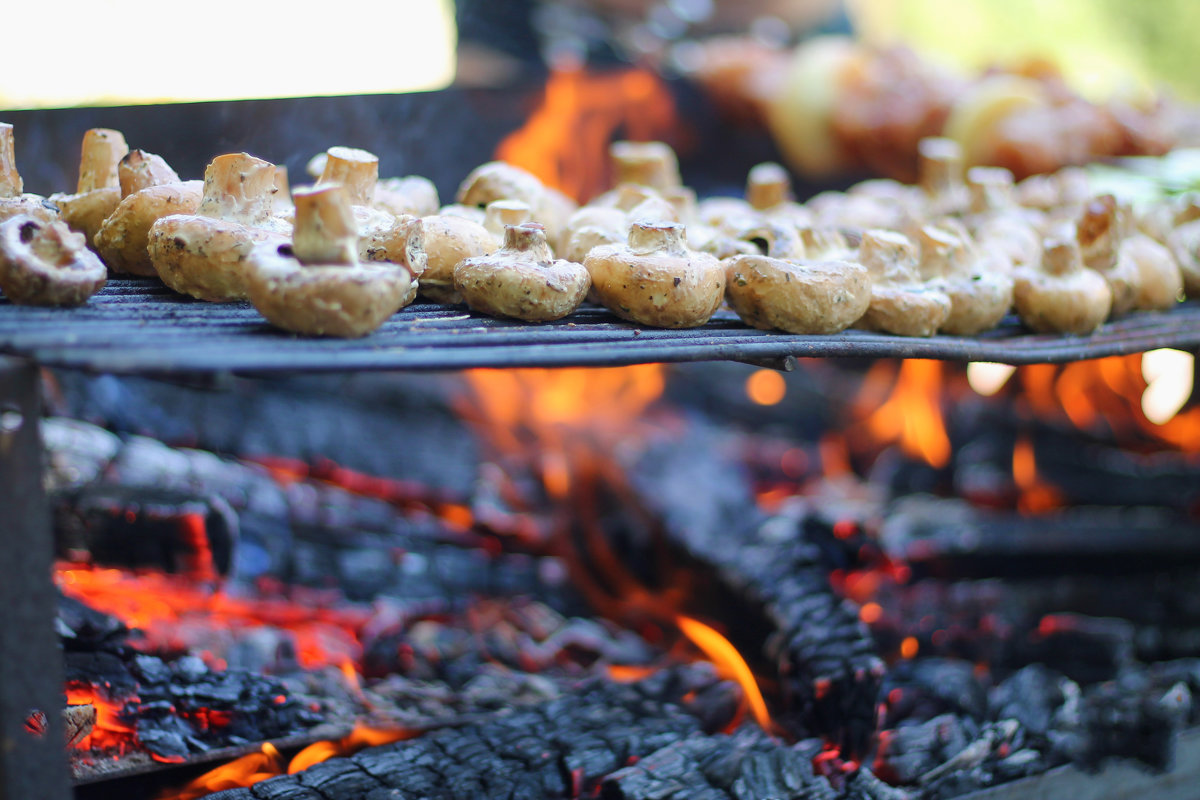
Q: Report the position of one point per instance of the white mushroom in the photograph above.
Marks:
(47, 264)
(99, 189)
(13, 200)
(1062, 296)
(900, 302)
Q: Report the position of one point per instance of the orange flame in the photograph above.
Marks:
(268, 763)
(729, 662)
(1036, 496)
(110, 730)
(911, 414)
(580, 115)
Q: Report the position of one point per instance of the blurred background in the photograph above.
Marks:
(141, 51)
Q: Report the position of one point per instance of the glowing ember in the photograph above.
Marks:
(729, 662)
(909, 647)
(911, 414)
(580, 115)
(766, 387)
(111, 731)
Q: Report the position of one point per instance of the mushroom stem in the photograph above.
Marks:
(650, 164)
(238, 187)
(101, 154)
(940, 164)
(325, 231)
(500, 214)
(140, 170)
(529, 237)
(11, 184)
(56, 245)
(1061, 256)
(668, 238)
(991, 189)
(355, 169)
(768, 185)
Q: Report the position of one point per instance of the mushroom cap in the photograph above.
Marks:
(977, 301)
(205, 257)
(412, 194)
(30, 205)
(123, 237)
(1184, 243)
(656, 280)
(449, 240)
(888, 256)
(337, 300)
(85, 213)
(140, 170)
(906, 310)
(651, 164)
(797, 297)
(46, 264)
(403, 242)
(521, 279)
(1160, 281)
(498, 180)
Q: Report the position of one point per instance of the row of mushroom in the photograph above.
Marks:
(954, 254)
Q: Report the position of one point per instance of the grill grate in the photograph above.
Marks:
(140, 326)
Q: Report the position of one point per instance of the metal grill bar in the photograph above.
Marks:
(138, 326)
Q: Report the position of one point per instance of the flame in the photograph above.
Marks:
(580, 114)
(729, 662)
(268, 762)
(911, 414)
(110, 730)
(766, 387)
(1035, 496)
(169, 609)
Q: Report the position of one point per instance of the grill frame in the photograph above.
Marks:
(138, 326)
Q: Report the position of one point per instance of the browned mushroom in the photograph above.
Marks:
(13, 200)
(1063, 296)
(412, 195)
(500, 214)
(1160, 281)
(522, 279)
(140, 170)
(204, 254)
(655, 279)
(317, 286)
(783, 290)
(1100, 230)
(123, 239)
(497, 180)
(900, 302)
(99, 189)
(940, 175)
(769, 191)
(650, 164)
(47, 264)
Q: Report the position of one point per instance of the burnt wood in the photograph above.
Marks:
(140, 326)
(32, 764)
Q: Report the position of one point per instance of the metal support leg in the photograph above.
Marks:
(32, 764)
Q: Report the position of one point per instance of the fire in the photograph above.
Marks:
(579, 116)
(766, 387)
(729, 662)
(911, 413)
(111, 731)
(1035, 496)
(269, 762)
(170, 608)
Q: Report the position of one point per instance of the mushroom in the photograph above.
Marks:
(13, 201)
(99, 189)
(592, 226)
(382, 236)
(449, 240)
(650, 164)
(977, 284)
(769, 191)
(1184, 242)
(900, 302)
(522, 279)
(123, 238)
(998, 224)
(655, 279)
(140, 170)
(500, 214)
(317, 286)
(1160, 281)
(1100, 231)
(781, 290)
(497, 180)
(204, 254)
(47, 264)
(411, 195)
(1063, 295)
(473, 213)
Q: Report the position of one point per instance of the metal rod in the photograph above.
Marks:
(32, 744)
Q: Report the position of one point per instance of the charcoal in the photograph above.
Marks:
(1085, 649)
(1035, 696)
(865, 785)
(908, 752)
(923, 688)
(1122, 722)
(81, 627)
(776, 576)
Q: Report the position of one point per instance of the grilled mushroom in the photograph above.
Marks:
(204, 254)
(940, 175)
(99, 189)
(900, 302)
(47, 264)
(123, 238)
(1100, 230)
(977, 283)
(449, 240)
(655, 279)
(411, 195)
(317, 286)
(650, 164)
(140, 170)
(781, 290)
(497, 180)
(522, 279)
(1063, 296)
(1160, 281)
(13, 201)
